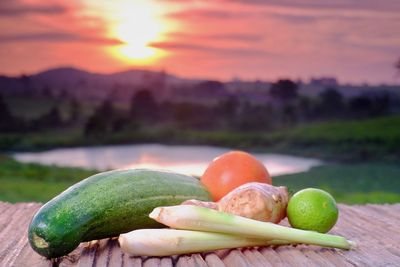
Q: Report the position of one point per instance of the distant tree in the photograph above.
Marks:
(144, 107)
(102, 120)
(26, 80)
(47, 92)
(254, 117)
(229, 106)
(184, 113)
(371, 104)
(6, 119)
(94, 126)
(74, 110)
(305, 107)
(193, 116)
(120, 122)
(63, 95)
(332, 103)
(382, 103)
(106, 109)
(5, 113)
(227, 110)
(360, 105)
(27, 85)
(54, 117)
(50, 119)
(284, 90)
(289, 115)
(209, 88)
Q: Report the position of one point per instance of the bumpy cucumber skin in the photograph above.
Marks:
(106, 205)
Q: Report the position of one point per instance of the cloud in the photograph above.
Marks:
(241, 37)
(206, 13)
(57, 37)
(292, 3)
(388, 5)
(297, 13)
(294, 18)
(237, 52)
(300, 10)
(18, 9)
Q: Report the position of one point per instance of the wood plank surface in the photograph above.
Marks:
(375, 228)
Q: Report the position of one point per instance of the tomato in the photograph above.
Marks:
(231, 170)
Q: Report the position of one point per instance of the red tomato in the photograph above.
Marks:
(231, 170)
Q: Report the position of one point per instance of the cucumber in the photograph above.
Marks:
(106, 205)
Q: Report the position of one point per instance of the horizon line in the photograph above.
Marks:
(233, 78)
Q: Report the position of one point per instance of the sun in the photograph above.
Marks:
(136, 27)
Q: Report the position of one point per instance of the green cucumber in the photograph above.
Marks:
(106, 205)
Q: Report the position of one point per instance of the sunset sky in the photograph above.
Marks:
(356, 41)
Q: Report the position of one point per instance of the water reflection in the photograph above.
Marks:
(184, 159)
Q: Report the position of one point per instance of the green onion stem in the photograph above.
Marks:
(166, 242)
(203, 219)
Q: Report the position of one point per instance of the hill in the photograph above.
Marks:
(86, 85)
(120, 86)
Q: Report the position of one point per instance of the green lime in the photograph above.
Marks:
(312, 209)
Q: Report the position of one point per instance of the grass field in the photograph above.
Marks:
(356, 183)
(360, 144)
(21, 182)
(372, 139)
(365, 139)
(35, 106)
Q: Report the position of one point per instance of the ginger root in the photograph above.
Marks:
(258, 201)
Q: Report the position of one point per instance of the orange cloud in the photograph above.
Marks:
(217, 39)
(16, 8)
(57, 37)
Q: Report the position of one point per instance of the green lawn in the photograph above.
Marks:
(347, 140)
(33, 182)
(357, 183)
(354, 183)
(371, 139)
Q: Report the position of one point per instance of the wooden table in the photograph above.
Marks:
(374, 227)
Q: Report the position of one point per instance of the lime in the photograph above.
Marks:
(312, 209)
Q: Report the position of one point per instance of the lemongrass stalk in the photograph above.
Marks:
(166, 242)
(203, 219)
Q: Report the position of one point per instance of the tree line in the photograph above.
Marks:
(286, 109)
(233, 113)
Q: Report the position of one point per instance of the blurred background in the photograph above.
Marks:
(312, 88)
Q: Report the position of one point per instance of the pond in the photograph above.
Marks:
(190, 160)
